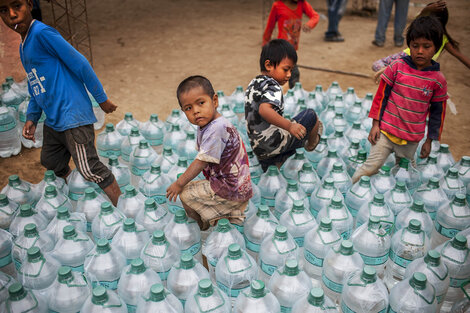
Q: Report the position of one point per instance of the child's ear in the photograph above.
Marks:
(268, 65)
(215, 100)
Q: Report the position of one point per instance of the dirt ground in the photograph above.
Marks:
(142, 49)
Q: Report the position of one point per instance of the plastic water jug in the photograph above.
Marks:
(378, 208)
(326, 117)
(315, 302)
(339, 104)
(367, 101)
(107, 222)
(418, 212)
(290, 103)
(129, 144)
(10, 97)
(414, 294)
(338, 123)
(99, 113)
(109, 142)
(444, 157)
(322, 195)
(103, 301)
(351, 151)
(408, 244)
(10, 143)
(135, 281)
(270, 183)
(90, 204)
(125, 126)
(294, 164)
(174, 118)
(6, 253)
(154, 184)
(158, 300)
(451, 183)
(238, 100)
(285, 198)
(77, 186)
(187, 148)
(319, 153)
(464, 169)
(63, 218)
(398, 198)
(7, 211)
(38, 134)
(298, 221)
(207, 298)
(432, 196)
(258, 227)
(406, 173)
(72, 249)
(325, 165)
(131, 202)
(228, 113)
(103, 266)
(154, 216)
(312, 102)
(141, 160)
(160, 254)
(350, 96)
(5, 282)
(430, 168)
(357, 131)
(355, 112)
(289, 284)
(38, 271)
(19, 191)
(50, 201)
(257, 299)
(173, 137)
(255, 168)
(178, 168)
(383, 181)
(364, 292)
(185, 232)
(25, 216)
(50, 179)
(29, 238)
(355, 162)
(339, 215)
(359, 194)
(130, 239)
(153, 130)
(308, 179)
(21, 299)
(338, 141)
(320, 95)
(372, 241)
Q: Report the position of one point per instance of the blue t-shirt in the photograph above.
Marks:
(57, 77)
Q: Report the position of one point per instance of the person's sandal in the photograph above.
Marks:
(319, 133)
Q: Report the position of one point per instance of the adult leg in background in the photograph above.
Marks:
(385, 9)
(401, 14)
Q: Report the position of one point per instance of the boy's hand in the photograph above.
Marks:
(108, 106)
(425, 149)
(297, 130)
(374, 134)
(173, 191)
(28, 130)
(306, 29)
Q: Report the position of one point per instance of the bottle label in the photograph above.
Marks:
(268, 269)
(240, 228)
(111, 285)
(138, 171)
(160, 199)
(433, 215)
(398, 260)
(131, 308)
(268, 201)
(173, 208)
(251, 245)
(255, 179)
(345, 235)
(446, 232)
(75, 196)
(194, 249)
(79, 268)
(164, 275)
(155, 142)
(346, 309)
(457, 282)
(338, 288)
(5, 260)
(285, 309)
(8, 126)
(299, 241)
(234, 292)
(313, 259)
(108, 153)
(374, 260)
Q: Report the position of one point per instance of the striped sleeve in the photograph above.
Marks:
(390, 73)
(380, 100)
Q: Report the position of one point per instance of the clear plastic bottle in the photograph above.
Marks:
(367, 101)
(320, 95)
(11, 96)
(135, 281)
(174, 118)
(322, 195)
(372, 241)
(355, 112)
(340, 177)
(408, 244)
(153, 130)
(177, 169)
(289, 284)
(38, 271)
(154, 216)
(359, 194)
(298, 221)
(125, 126)
(270, 183)
(10, 143)
(38, 134)
(258, 299)
(154, 183)
(221, 237)
(234, 271)
(444, 157)
(327, 116)
(103, 266)
(405, 172)
(6, 253)
(129, 143)
(339, 104)
(185, 276)
(62, 219)
(314, 302)
(299, 92)
(418, 212)
(413, 295)
(21, 299)
(131, 202)
(455, 254)
(285, 198)
(187, 148)
(432, 196)
(25, 216)
(107, 222)
(338, 141)
(308, 178)
(167, 159)
(436, 273)
(160, 254)
(50, 179)
(109, 142)
(357, 132)
(338, 264)
(130, 239)
(50, 201)
(8, 210)
(173, 137)
(185, 232)
(29, 238)
(102, 301)
(238, 100)
(77, 186)
(350, 96)
(19, 191)
(355, 162)
(338, 123)
(339, 215)
(68, 292)
(364, 292)
(319, 153)
(312, 103)
(228, 113)
(99, 114)
(207, 298)
(158, 300)
(294, 164)
(290, 103)
(398, 198)
(430, 169)
(255, 167)
(5, 282)
(451, 183)
(351, 152)
(383, 181)
(121, 172)
(464, 169)
(90, 204)
(72, 249)
(258, 227)
(451, 218)
(140, 160)
(275, 250)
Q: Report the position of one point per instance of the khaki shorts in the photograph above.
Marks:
(200, 197)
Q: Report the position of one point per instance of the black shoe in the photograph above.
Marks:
(334, 38)
(378, 44)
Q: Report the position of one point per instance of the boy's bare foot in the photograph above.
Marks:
(113, 192)
(314, 137)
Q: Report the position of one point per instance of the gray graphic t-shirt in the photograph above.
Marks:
(266, 140)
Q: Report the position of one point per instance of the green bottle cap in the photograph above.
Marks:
(318, 88)
(272, 170)
(157, 293)
(205, 288)
(355, 144)
(158, 237)
(64, 274)
(257, 289)
(100, 296)
(181, 217)
(432, 159)
(63, 213)
(418, 281)
(109, 128)
(336, 202)
(50, 192)
(369, 274)
(143, 144)
(106, 208)
(459, 200)
(155, 169)
(130, 191)
(3, 200)
(49, 176)
(167, 151)
(298, 206)
(307, 167)
(325, 224)
(332, 153)
(292, 185)
(16, 292)
(280, 233)
(365, 181)
(328, 183)
(465, 161)
(337, 167)
(373, 221)
(452, 173)
(153, 117)
(316, 297)
(291, 268)
(187, 261)
(30, 230)
(362, 156)
(385, 170)
(263, 211)
(417, 206)
(113, 160)
(183, 162)
(102, 246)
(34, 254)
(404, 163)
(69, 232)
(234, 251)
(26, 210)
(444, 148)
(433, 258)
(90, 193)
(459, 242)
(150, 204)
(129, 225)
(175, 112)
(223, 226)
(346, 247)
(134, 132)
(137, 266)
(128, 116)
(414, 226)
(399, 185)
(433, 182)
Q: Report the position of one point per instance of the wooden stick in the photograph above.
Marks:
(333, 71)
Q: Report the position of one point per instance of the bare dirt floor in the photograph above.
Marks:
(142, 49)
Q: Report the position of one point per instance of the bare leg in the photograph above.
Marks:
(113, 192)
(313, 137)
(195, 216)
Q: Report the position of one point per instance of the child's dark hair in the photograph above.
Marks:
(275, 51)
(193, 82)
(425, 27)
(443, 17)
